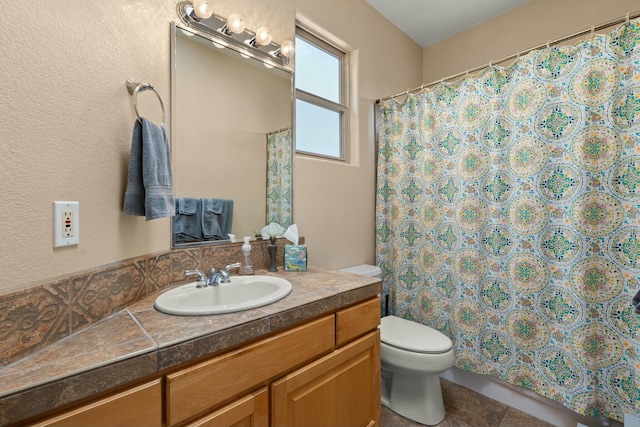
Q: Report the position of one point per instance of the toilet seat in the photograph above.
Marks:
(411, 336)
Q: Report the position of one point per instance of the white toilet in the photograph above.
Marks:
(413, 355)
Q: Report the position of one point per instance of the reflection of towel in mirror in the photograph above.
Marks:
(635, 301)
(149, 186)
(187, 224)
(217, 218)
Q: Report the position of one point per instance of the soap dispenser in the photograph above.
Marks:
(245, 266)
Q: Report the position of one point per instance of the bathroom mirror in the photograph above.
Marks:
(224, 109)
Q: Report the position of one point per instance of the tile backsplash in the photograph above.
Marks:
(33, 318)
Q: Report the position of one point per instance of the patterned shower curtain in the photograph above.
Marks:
(279, 182)
(508, 218)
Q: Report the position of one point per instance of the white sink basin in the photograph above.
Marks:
(241, 293)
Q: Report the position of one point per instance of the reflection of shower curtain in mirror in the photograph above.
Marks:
(508, 218)
(279, 168)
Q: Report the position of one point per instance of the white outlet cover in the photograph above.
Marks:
(58, 239)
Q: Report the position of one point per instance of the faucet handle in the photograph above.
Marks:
(230, 266)
(202, 279)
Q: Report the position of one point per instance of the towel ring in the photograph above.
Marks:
(134, 88)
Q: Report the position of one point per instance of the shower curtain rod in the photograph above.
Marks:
(278, 131)
(593, 29)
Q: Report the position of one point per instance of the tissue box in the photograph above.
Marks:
(295, 258)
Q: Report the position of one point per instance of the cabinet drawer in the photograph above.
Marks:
(248, 411)
(357, 320)
(193, 390)
(139, 406)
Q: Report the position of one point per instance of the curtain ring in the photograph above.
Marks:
(466, 74)
(626, 21)
(548, 42)
(441, 80)
(517, 55)
(593, 30)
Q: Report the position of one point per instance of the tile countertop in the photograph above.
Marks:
(140, 341)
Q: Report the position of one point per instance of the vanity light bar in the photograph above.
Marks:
(216, 26)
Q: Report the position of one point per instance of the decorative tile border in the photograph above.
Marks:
(101, 293)
(34, 318)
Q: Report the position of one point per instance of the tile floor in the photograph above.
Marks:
(466, 408)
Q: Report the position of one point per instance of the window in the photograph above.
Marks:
(321, 97)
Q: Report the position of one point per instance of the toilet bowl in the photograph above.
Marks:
(412, 355)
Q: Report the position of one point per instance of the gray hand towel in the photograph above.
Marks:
(187, 226)
(217, 218)
(150, 186)
(187, 206)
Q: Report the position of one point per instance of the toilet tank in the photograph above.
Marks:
(364, 270)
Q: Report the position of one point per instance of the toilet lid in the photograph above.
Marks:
(412, 336)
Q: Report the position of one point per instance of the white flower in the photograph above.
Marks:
(272, 230)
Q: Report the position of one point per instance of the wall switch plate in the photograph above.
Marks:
(66, 224)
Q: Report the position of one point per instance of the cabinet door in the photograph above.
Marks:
(249, 411)
(341, 389)
(139, 406)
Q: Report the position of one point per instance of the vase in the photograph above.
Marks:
(273, 250)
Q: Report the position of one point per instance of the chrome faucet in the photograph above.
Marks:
(216, 277)
(202, 281)
(222, 276)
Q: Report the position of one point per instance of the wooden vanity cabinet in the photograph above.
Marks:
(325, 372)
(322, 373)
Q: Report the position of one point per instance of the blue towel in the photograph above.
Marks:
(187, 225)
(217, 218)
(149, 187)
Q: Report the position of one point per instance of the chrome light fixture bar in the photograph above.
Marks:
(245, 41)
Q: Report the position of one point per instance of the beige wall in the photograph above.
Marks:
(66, 121)
(517, 30)
(335, 203)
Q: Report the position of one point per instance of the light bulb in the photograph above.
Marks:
(287, 49)
(235, 24)
(263, 36)
(203, 8)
